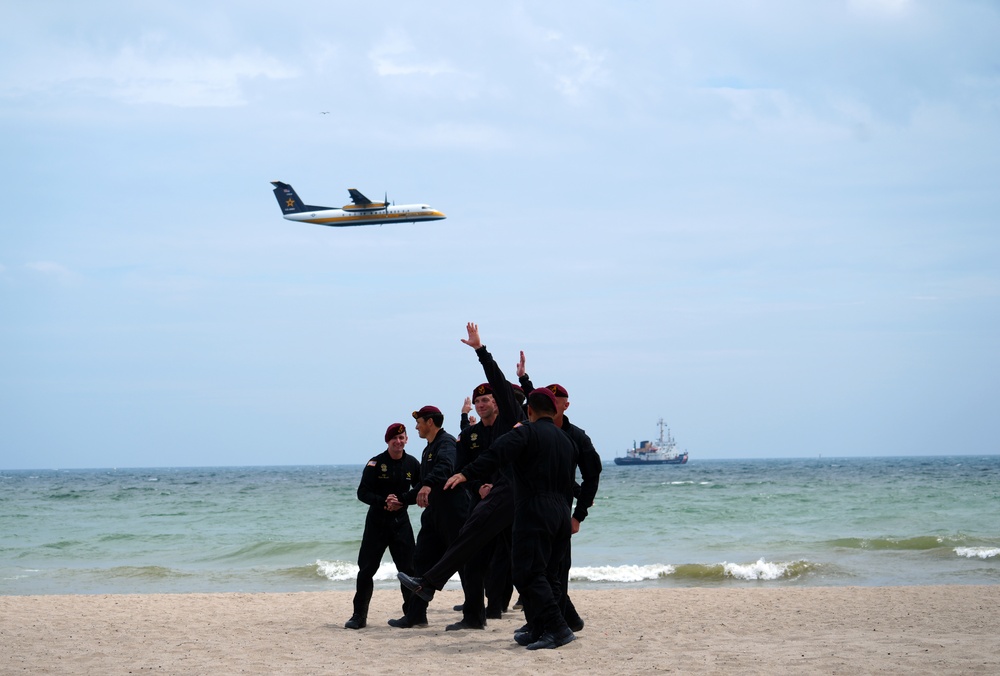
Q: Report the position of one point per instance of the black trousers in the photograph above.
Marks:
(471, 553)
(439, 527)
(499, 585)
(565, 603)
(383, 530)
(540, 537)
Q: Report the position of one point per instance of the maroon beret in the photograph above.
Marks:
(544, 392)
(394, 429)
(426, 412)
(558, 390)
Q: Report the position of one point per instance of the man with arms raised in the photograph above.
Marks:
(491, 519)
(543, 462)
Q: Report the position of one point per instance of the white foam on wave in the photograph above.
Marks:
(12, 578)
(978, 552)
(23, 574)
(619, 573)
(341, 571)
(338, 571)
(758, 570)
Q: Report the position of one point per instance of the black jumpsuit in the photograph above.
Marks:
(381, 477)
(543, 460)
(585, 491)
(443, 517)
(489, 523)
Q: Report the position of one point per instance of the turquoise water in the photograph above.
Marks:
(856, 521)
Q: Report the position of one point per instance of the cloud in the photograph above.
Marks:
(570, 65)
(47, 268)
(471, 136)
(50, 270)
(581, 70)
(395, 55)
(154, 71)
(189, 81)
(880, 7)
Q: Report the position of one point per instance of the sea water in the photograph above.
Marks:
(804, 522)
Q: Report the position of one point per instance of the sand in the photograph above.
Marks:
(825, 630)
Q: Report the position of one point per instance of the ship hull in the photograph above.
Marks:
(679, 460)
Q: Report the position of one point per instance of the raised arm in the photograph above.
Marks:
(503, 393)
(522, 376)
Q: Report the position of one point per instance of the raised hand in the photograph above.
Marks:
(473, 340)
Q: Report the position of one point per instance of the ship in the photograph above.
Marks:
(662, 452)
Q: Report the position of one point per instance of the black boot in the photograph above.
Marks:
(356, 622)
(462, 624)
(359, 618)
(417, 585)
(406, 623)
(552, 639)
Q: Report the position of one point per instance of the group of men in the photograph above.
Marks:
(498, 508)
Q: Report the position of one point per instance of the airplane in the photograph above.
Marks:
(362, 212)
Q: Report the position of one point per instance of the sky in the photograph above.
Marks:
(772, 223)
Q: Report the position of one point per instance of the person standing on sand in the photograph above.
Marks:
(543, 465)
(486, 532)
(590, 473)
(387, 526)
(444, 512)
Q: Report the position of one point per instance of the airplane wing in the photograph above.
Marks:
(358, 198)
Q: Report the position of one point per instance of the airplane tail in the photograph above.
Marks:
(289, 201)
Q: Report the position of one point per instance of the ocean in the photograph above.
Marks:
(712, 523)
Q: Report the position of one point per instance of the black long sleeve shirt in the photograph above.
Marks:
(590, 461)
(542, 458)
(383, 476)
(437, 463)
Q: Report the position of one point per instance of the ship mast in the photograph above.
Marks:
(666, 445)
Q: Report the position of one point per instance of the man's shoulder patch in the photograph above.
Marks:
(371, 463)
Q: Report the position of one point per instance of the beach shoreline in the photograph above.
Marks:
(927, 629)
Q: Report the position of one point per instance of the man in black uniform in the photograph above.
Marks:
(444, 512)
(388, 474)
(590, 473)
(543, 461)
(488, 526)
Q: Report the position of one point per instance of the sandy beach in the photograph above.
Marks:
(933, 629)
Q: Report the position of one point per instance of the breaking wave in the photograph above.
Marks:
(978, 552)
(760, 570)
(919, 543)
(345, 571)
